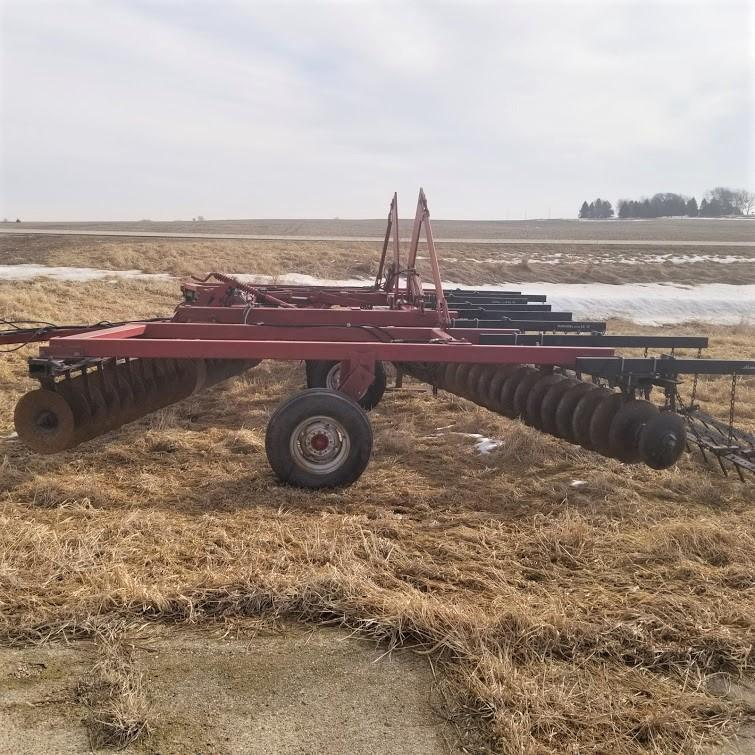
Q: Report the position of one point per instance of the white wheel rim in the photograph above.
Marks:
(333, 378)
(319, 444)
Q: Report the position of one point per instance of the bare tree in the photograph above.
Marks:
(746, 201)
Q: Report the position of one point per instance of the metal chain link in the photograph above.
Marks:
(732, 401)
(694, 381)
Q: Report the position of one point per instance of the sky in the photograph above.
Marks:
(119, 110)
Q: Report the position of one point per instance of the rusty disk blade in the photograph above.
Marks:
(483, 383)
(116, 375)
(459, 384)
(534, 404)
(583, 416)
(624, 435)
(201, 375)
(566, 407)
(523, 390)
(663, 440)
(45, 421)
(509, 388)
(550, 402)
(111, 397)
(169, 382)
(493, 396)
(469, 388)
(71, 389)
(152, 388)
(447, 376)
(186, 378)
(600, 422)
(98, 419)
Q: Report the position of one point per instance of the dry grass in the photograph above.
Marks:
(114, 693)
(465, 263)
(563, 619)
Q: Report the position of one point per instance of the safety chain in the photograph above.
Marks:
(694, 381)
(732, 401)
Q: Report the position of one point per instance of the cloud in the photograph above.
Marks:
(229, 109)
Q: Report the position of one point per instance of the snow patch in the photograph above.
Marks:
(298, 279)
(482, 444)
(77, 274)
(644, 303)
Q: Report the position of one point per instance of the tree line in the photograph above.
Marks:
(717, 203)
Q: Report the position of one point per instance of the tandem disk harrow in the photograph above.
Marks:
(505, 350)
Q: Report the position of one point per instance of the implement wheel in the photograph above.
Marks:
(324, 374)
(319, 439)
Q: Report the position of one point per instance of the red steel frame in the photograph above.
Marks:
(356, 327)
(388, 294)
(245, 314)
(358, 348)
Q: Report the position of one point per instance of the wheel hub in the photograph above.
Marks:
(320, 444)
(320, 441)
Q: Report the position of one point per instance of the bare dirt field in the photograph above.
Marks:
(461, 263)
(679, 229)
(265, 689)
(562, 602)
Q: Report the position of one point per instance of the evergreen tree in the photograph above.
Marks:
(691, 208)
(584, 211)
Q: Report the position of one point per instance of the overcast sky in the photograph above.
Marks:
(166, 110)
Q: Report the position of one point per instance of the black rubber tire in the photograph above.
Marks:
(624, 435)
(600, 422)
(583, 412)
(663, 440)
(316, 402)
(319, 370)
(550, 402)
(509, 388)
(566, 407)
(534, 403)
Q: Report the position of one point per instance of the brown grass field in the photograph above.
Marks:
(463, 263)
(609, 617)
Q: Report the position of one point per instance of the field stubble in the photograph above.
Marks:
(562, 617)
(464, 263)
(681, 229)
